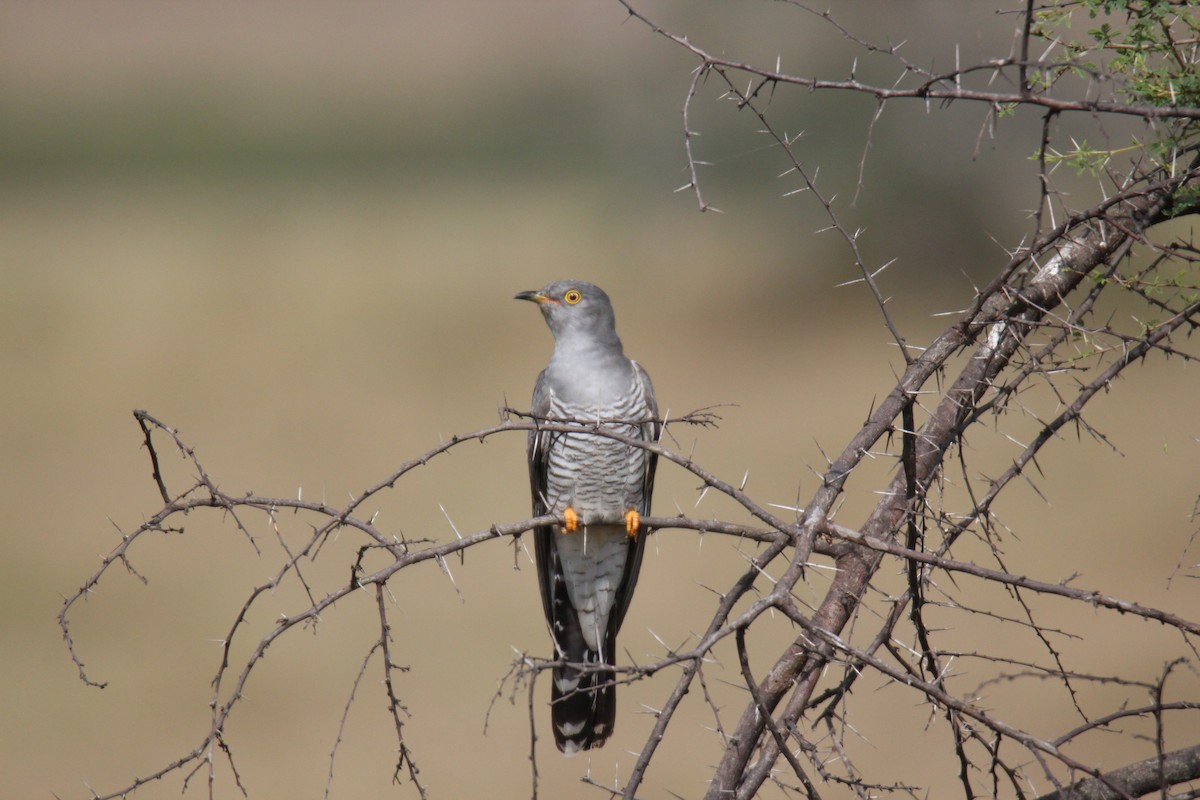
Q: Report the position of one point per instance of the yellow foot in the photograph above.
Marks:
(570, 520)
(633, 521)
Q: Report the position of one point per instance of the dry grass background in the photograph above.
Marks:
(293, 231)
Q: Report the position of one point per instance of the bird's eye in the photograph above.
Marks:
(572, 296)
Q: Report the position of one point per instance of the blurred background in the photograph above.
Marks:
(293, 232)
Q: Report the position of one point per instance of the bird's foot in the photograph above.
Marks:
(633, 521)
(570, 520)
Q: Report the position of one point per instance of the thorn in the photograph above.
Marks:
(446, 569)
(453, 527)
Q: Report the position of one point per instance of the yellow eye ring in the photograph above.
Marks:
(572, 296)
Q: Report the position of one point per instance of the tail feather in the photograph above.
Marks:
(583, 706)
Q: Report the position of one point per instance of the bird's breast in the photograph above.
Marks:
(600, 477)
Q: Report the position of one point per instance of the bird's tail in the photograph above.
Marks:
(583, 705)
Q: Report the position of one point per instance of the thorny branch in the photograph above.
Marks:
(206, 494)
(1019, 304)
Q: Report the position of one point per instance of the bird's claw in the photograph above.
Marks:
(633, 521)
(570, 520)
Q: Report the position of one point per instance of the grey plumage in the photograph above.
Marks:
(587, 576)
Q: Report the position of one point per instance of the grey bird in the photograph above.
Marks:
(588, 567)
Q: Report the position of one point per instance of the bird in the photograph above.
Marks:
(601, 487)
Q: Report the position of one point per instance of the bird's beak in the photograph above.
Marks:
(536, 297)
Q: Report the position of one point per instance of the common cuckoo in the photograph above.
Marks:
(587, 567)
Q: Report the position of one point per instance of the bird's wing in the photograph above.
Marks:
(538, 452)
(649, 431)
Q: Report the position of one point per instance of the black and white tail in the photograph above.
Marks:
(583, 704)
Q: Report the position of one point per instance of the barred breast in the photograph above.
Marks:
(600, 478)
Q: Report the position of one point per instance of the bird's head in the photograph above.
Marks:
(575, 307)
